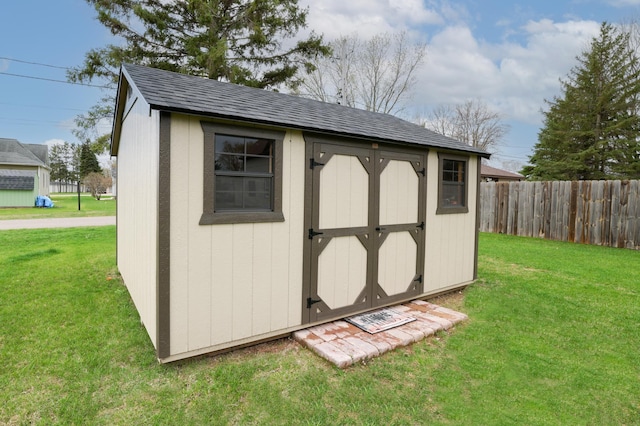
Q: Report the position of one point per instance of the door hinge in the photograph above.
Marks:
(419, 279)
(313, 233)
(421, 226)
(313, 163)
(311, 302)
(423, 172)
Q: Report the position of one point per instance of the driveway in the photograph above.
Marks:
(62, 222)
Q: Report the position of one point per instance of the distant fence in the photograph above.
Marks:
(591, 212)
(65, 187)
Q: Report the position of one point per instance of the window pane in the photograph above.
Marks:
(257, 193)
(452, 195)
(231, 144)
(259, 146)
(228, 193)
(258, 164)
(230, 162)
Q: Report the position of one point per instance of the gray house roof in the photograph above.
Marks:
(169, 91)
(14, 153)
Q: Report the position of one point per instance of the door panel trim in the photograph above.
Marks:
(374, 158)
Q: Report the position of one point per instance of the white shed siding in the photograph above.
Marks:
(450, 238)
(138, 210)
(234, 282)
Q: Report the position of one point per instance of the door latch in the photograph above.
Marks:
(311, 302)
(313, 233)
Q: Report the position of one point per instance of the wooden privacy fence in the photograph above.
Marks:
(591, 212)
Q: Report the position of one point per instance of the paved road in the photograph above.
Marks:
(63, 222)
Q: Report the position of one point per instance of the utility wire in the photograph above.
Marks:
(34, 63)
(53, 80)
(57, 108)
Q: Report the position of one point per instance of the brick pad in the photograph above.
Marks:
(344, 344)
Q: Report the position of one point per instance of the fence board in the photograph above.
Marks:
(590, 212)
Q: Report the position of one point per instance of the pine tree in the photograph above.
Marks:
(88, 161)
(240, 41)
(592, 130)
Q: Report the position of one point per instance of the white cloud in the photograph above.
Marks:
(514, 74)
(513, 77)
(52, 142)
(335, 18)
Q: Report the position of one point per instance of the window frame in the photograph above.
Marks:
(443, 209)
(209, 215)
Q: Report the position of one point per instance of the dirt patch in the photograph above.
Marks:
(452, 300)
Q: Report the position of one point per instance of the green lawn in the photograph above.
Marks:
(552, 339)
(65, 205)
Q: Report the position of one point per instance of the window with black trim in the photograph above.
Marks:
(452, 185)
(242, 174)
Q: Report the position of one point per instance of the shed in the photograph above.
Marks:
(24, 173)
(245, 214)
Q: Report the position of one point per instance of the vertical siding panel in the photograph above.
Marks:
(279, 298)
(358, 197)
(280, 247)
(296, 227)
(222, 284)
(138, 211)
(199, 253)
(180, 285)
(242, 280)
(328, 194)
(262, 278)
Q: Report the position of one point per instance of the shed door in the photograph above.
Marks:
(367, 229)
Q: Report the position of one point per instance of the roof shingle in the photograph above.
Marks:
(14, 153)
(165, 90)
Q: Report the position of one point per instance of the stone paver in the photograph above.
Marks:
(344, 344)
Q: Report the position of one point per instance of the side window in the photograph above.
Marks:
(242, 174)
(452, 184)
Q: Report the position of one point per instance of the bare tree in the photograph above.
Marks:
(97, 184)
(472, 122)
(376, 74)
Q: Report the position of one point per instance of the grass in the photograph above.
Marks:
(552, 339)
(65, 205)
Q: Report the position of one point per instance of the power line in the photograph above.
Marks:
(53, 80)
(42, 106)
(34, 63)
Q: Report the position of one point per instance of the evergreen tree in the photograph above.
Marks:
(592, 130)
(64, 160)
(239, 41)
(88, 161)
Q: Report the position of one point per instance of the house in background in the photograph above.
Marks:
(24, 173)
(245, 214)
(492, 174)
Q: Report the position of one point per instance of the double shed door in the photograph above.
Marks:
(366, 228)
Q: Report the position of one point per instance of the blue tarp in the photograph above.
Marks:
(43, 201)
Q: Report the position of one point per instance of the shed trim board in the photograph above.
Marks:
(205, 286)
(164, 240)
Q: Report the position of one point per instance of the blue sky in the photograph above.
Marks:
(510, 55)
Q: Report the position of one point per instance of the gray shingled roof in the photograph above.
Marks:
(17, 179)
(165, 90)
(39, 150)
(13, 152)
